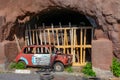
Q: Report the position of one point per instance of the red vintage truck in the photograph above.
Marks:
(44, 55)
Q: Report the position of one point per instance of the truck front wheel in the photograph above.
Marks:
(59, 67)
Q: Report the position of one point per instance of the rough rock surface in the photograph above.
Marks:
(106, 14)
(102, 54)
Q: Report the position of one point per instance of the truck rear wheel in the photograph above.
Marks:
(59, 67)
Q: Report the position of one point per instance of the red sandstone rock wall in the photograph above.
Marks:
(106, 14)
(102, 54)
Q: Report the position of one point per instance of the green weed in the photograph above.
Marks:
(115, 68)
(69, 69)
(87, 70)
(19, 65)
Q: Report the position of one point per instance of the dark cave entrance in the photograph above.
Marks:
(56, 16)
(63, 17)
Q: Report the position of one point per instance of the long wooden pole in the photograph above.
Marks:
(18, 45)
(49, 36)
(44, 33)
(61, 33)
(36, 35)
(70, 38)
(72, 41)
(65, 40)
(77, 52)
(33, 37)
(30, 35)
(81, 48)
(40, 36)
(57, 38)
(74, 46)
(53, 34)
(26, 37)
(84, 45)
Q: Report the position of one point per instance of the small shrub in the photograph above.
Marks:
(19, 65)
(87, 70)
(12, 65)
(115, 68)
(69, 69)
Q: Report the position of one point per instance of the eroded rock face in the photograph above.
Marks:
(106, 14)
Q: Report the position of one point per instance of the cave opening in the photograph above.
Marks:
(65, 18)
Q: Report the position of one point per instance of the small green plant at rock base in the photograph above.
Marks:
(12, 65)
(115, 68)
(87, 70)
(69, 69)
(20, 65)
(17, 65)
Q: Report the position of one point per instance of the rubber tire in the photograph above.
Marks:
(46, 76)
(23, 63)
(60, 65)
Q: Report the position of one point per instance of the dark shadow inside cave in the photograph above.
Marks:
(56, 16)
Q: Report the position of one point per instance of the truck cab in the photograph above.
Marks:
(44, 55)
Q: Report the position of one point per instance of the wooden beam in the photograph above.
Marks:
(17, 42)
(70, 28)
(57, 38)
(26, 38)
(71, 37)
(53, 34)
(76, 48)
(30, 35)
(40, 36)
(74, 45)
(78, 64)
(33, 37)
(36, 33)
(84, 51)
(49, 38)
(81, 48)
(61, 33)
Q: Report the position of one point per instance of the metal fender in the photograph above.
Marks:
(24, 59)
